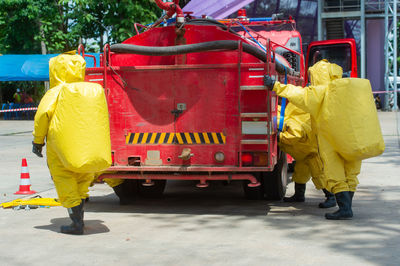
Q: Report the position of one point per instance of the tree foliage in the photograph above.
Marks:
(17, 28)
(60, 25)
(56, 26)
(121, 15)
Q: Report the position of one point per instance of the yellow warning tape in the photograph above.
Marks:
(176, 138)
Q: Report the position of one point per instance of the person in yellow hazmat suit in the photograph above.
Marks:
(71, 187)
(342, 142)
(72, 158)
(298, 139)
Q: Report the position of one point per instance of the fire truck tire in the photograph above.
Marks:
(155, 191)
(291, 167)
(253, 193)
(131, 187)
(275, 182)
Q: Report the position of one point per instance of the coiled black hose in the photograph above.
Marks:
(198, 47)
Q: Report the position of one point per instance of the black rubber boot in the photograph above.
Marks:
(82, 212)
(299, 191)
(124, 198)
(351, 196)
(76, 227)
(343, 200)
(330, 200)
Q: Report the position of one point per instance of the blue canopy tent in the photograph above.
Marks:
(30, 67)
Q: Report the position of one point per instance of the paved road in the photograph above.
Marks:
(213, 226)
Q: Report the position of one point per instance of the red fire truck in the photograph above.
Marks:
(187, 101)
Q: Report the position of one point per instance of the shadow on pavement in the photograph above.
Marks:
(91, 226)
(373, 235)
(182, 197)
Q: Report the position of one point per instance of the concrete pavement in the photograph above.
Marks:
(191, 226)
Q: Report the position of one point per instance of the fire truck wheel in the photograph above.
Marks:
(131, 187)
(291, 167)
(253, 193)
(152, 191)
(275, 182)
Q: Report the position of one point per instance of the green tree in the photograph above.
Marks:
(95, 20)
(55, 26)
(17, 28)
(32, 26)
(121, 15)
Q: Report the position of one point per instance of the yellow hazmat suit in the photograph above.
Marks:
(298, 140)
(78, 141)
(344, 118)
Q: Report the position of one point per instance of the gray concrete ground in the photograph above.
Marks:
(190, 226)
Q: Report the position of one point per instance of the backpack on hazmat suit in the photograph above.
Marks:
(348, 118)
(79, 128)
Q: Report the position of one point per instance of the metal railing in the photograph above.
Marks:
(374, 5)
(371, 6)
(341, 5)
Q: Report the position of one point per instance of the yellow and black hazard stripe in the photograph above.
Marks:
(176, 138)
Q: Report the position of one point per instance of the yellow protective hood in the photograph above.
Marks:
(66, 68)
(323, 72)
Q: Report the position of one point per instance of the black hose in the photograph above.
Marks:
(198, 47)
(209, 21)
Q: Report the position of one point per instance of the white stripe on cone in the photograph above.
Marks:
(25, 181)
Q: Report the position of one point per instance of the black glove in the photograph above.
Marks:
(37, 149)
(269, 82)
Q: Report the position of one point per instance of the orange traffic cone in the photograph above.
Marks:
(25, 187)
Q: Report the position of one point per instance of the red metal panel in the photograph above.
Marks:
(210, 107)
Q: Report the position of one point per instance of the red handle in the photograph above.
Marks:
(171, 8)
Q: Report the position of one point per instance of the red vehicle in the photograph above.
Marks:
(187, 102)
(340, 51)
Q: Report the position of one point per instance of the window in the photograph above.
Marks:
(339, 54)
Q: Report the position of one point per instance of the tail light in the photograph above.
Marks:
(247, 159)
(260, 158)
(254, 159)
(112, 158)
